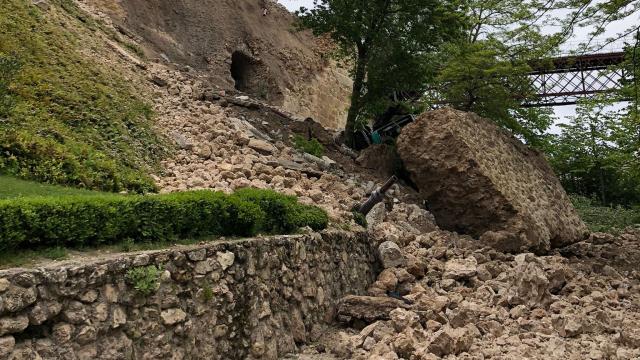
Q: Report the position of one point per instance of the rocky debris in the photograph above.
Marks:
(456, 298)
(367, 308)
(453, 341)
(482, 181)
(223, 150)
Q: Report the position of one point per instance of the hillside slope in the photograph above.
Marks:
(65, 118)
(239, 49)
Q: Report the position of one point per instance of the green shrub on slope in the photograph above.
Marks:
(63, 118)
(284, 213)
(313, 146)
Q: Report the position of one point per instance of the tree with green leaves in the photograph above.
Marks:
(478, 78)
(383, 40)
(592, 155)
(486, 71)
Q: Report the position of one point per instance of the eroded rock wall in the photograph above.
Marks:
(254, 298)
(237, 48)
(481, 180)
(325, 98)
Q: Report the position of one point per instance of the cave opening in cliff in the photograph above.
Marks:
(241, 69)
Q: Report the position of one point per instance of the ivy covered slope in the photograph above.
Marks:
(64, 118)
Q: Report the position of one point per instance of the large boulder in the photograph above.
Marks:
(480, 180)
(379, 157)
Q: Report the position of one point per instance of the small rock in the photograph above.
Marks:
(89, 296)
(367, 308)
(10, 325)
(572, 328)
(197, 255)
(377, 214)
(141, 260)
(4, 285)
(262, 147)
(225, 259)
(86, 334)
(316, 195)
(173, 316)
(453, 341)
(158, 81)
(220, 331)
(391, 255)
(460, 269)
(17, 298)
(62, 332)
(7, 343)
(44, 311)
(369, 343)
(182, 141)
(402, 319)
(118, 317)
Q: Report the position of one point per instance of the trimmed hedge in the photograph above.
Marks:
(106, 219)
(284, 212)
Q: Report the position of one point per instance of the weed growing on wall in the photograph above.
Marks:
(313, 146)
(145, 280)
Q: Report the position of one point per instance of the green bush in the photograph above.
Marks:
(360, 219)
(313, 146)
(108, 219)
(284, 214)
(146, 280)
(604, 218)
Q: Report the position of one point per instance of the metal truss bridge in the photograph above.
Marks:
(564, 80)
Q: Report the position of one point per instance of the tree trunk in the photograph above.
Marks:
(356, 96)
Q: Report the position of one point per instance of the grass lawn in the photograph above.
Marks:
(11, 188)
(30, 257)
(605, 218)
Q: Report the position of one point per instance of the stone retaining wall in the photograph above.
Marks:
(253, 298)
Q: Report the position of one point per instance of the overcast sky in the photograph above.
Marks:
(296, 4)
(580, 35)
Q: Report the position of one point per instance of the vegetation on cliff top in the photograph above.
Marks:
(63, 118)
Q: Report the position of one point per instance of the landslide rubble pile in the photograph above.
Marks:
(480, 180)
(443, 295)
(219, 151)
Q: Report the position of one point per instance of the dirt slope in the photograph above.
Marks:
(237, 47)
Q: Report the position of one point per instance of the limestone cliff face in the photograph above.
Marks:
(481, 180)
(240, 49)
